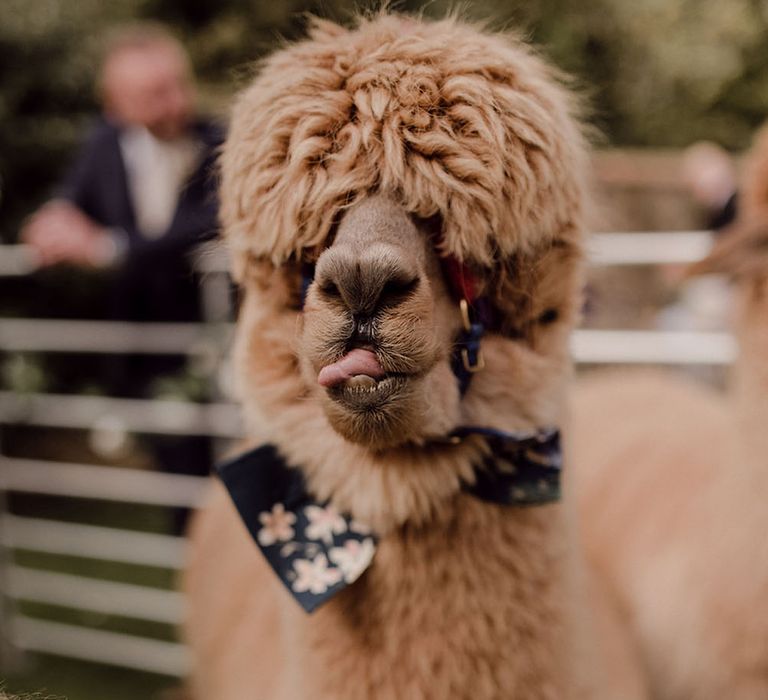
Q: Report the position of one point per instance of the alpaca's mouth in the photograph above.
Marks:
(359, 368)
(362, 392)
(359, 382)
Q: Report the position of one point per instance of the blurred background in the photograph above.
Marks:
(95, 476)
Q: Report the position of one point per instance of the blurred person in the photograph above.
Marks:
(140, 194)
(138, 198)
(710, 176)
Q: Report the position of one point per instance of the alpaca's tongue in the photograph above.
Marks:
(357, 361)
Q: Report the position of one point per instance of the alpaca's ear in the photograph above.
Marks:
(741, 251)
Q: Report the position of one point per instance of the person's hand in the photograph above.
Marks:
(60, 232)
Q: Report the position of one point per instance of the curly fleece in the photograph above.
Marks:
(448, 119)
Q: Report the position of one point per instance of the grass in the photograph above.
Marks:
(51, 677)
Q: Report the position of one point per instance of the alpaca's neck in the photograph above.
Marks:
(480, 586)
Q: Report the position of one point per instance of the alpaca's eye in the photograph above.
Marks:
(549, 316)
(330, 289)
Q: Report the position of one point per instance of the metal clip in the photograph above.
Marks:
(464, 307)
(479, 364)
(469, 327)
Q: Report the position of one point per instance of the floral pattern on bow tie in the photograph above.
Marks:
(276, 525)
(324, 523)
(314, 575)
(353, 557)
(318, 547)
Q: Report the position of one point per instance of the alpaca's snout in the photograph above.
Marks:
(377, 328)
(366, 281)
(375, 263)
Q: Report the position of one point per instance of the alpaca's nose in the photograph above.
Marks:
(367, 282)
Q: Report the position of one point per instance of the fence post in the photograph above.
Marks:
(215, 294)
(11, 657)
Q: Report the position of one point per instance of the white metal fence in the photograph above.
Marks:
(133, 486)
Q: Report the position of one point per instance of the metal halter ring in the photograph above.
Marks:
(464, 307)
(479, 364)
(472, 330)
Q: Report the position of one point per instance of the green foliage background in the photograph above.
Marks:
(659, 72)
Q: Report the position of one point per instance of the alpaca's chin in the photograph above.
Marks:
(372, 397)
(397, 410)
(379, 417)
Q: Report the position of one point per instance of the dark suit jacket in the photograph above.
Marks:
(154, 281)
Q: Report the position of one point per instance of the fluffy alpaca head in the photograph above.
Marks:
(449, 120)
(372, 153)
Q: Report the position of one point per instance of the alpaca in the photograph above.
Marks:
(669, 481)
(404, 162)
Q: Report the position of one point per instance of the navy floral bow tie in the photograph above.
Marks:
(317, 551)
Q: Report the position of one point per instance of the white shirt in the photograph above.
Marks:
(156, 170)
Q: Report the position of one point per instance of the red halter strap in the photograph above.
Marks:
(467, 356)
(461, 279)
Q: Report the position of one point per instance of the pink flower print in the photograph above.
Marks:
(324, 523)
(353, 558)
(276, 525)
(314, 575)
